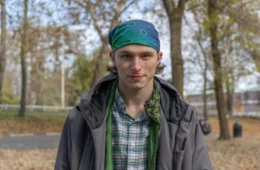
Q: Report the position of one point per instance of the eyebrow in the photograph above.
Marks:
(128, 52)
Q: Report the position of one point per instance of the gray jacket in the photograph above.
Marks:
(82, 143)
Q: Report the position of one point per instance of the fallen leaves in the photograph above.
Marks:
(27, 160)
(235, 154)
(32, 123)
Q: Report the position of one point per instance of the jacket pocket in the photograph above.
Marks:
(178, 152)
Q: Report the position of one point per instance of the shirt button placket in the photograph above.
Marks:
(131, 146)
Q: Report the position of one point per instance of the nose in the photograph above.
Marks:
(136, 64)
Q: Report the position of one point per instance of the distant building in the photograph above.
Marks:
(244, 103)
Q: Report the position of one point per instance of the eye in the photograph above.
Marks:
(146, 57)
(126, 57)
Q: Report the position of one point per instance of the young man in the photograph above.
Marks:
(132, 120)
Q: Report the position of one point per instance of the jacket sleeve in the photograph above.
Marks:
(64, 150)
(201, 159)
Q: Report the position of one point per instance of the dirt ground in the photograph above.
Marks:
(235, 154)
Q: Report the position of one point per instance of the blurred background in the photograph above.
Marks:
(54, 51)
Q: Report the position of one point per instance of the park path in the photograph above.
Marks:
(51, 141)
(30, 142)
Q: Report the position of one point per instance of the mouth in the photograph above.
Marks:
(136, 77)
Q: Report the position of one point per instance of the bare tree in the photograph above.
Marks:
(23, 59)
(199, 37)
(213, 17)
(175, 11)
(102, 19)
(2, 45)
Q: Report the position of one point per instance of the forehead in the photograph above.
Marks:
(136, 49)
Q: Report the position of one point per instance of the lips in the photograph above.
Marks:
(136, 77)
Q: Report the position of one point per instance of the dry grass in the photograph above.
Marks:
(235, 154)
(37, 123)
(27, 160)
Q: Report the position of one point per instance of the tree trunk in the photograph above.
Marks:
(223, 123)
(23, 60)
(100, 63)
(2, 46)
(175, 14)
(177, 61)
(205, 97)
(205, 110)
(230, 93)
(256, 58)
(230, 99)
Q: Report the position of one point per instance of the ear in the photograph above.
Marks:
(112, 56)
(160, 54)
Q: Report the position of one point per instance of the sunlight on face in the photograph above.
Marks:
(136, 65)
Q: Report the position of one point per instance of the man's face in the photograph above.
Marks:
(136, 65)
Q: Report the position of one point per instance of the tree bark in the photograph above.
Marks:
(177, 61)
(100, 63)
(2, 46)
(230, 99)
(175, 15)
(23, 60)
(221, 106)
(230, 81)
(205, 110)
(256, 58)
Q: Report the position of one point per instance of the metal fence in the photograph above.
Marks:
(42, 108)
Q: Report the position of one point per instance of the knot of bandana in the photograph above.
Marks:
(134, 32)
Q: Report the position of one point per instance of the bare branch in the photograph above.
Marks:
(194, 7)
(127, 6)
(169, 6)
(94, 17)
(117, 10)
(227, 30)
(181, 4)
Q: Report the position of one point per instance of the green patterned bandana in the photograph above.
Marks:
(134, 32)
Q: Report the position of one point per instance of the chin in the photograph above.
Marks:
(136, 86)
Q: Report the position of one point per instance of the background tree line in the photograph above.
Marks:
(52, 52)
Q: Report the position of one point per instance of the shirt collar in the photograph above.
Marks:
(149, 105)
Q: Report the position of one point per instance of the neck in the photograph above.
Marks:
(135, 99)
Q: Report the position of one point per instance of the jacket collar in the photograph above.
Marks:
(172, 105)
(94, 102)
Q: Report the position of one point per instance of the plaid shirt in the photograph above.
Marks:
(129, 138)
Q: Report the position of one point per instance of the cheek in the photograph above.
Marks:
(121, 65)
(151, 66)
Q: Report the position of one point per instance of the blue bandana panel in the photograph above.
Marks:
(134, 32)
